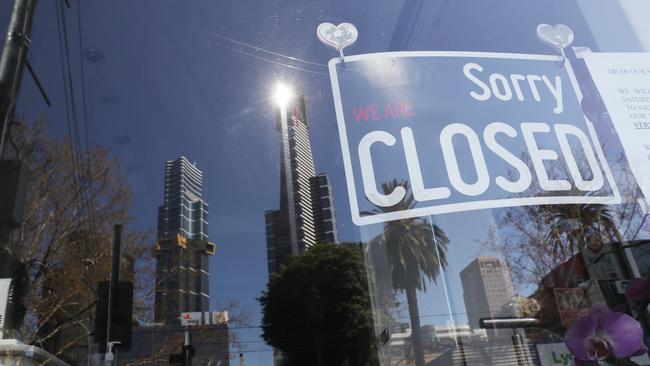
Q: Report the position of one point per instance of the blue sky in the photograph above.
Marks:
(179, 78)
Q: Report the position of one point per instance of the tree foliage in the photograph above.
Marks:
(316, 309)
(537, 239)
(73, 200)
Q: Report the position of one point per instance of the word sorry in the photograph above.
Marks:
(502, 87)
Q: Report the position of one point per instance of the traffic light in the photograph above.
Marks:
(121, 315)
(13, 188)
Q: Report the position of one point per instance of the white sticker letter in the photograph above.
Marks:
(486, 90)
(525, 177)
(448, 152)
(562, 130)
(368, 171)
(537, 156)
(415, 174)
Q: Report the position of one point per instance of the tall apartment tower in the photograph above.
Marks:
(306, 214)
(487, 287)
(182, 249)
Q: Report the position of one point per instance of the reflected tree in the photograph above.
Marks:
(316, 309)
(416, 252)
(64, 242)
(63, 246)
(537, 239)
(575, 226)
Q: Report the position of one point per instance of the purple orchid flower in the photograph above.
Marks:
(639, 290)
(603, 334)
(577, 362)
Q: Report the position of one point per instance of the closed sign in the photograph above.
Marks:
(466, 131)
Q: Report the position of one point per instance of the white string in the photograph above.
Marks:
(444, 283)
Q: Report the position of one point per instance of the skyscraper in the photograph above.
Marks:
(306, 214)
(182, 250)
(323, 209)
(487, 287)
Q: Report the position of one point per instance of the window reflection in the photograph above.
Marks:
(163, 112)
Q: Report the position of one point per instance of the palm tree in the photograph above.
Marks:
(416, 252)
(581, 225)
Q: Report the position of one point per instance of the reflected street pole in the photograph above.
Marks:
(12, 61)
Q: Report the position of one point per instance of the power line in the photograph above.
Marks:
(270, 61)
(81, 174)
(85, 118)
(262, 49)
(66, 95)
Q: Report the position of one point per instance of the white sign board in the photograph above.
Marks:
(464, 131)
(554, 354)
(623, 81)
(207, 318)
(194, 318)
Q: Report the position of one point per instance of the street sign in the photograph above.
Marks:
(191, 318)
(467, 131)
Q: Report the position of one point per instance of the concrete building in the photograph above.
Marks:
(153, 344)
(487, 287)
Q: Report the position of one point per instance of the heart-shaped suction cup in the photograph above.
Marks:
(337, 36)
(559, 36)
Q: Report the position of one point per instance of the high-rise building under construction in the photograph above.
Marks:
(182, 249)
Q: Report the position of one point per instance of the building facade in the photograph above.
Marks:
(154, 344)
(487, 287)
(182, 249)
(306, 214)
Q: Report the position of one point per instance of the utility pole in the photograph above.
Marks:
(187, 349)
(12, 173)
(184, 358)
(12, 61)
(115, 278)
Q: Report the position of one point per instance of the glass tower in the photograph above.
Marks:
(182, 250)
(306, 214)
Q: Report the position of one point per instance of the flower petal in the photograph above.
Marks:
(641, 351)
(577, 336)
(600, 311)
(624, 334)
(638, 290)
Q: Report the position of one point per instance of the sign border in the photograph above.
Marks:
(359, 220)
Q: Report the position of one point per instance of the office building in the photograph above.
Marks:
(306, 213)
(154, 343)
(183, 249)
(487, 287)
(323, 208)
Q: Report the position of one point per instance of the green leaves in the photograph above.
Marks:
(316, 309)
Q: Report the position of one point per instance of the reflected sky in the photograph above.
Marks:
(196, 80)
